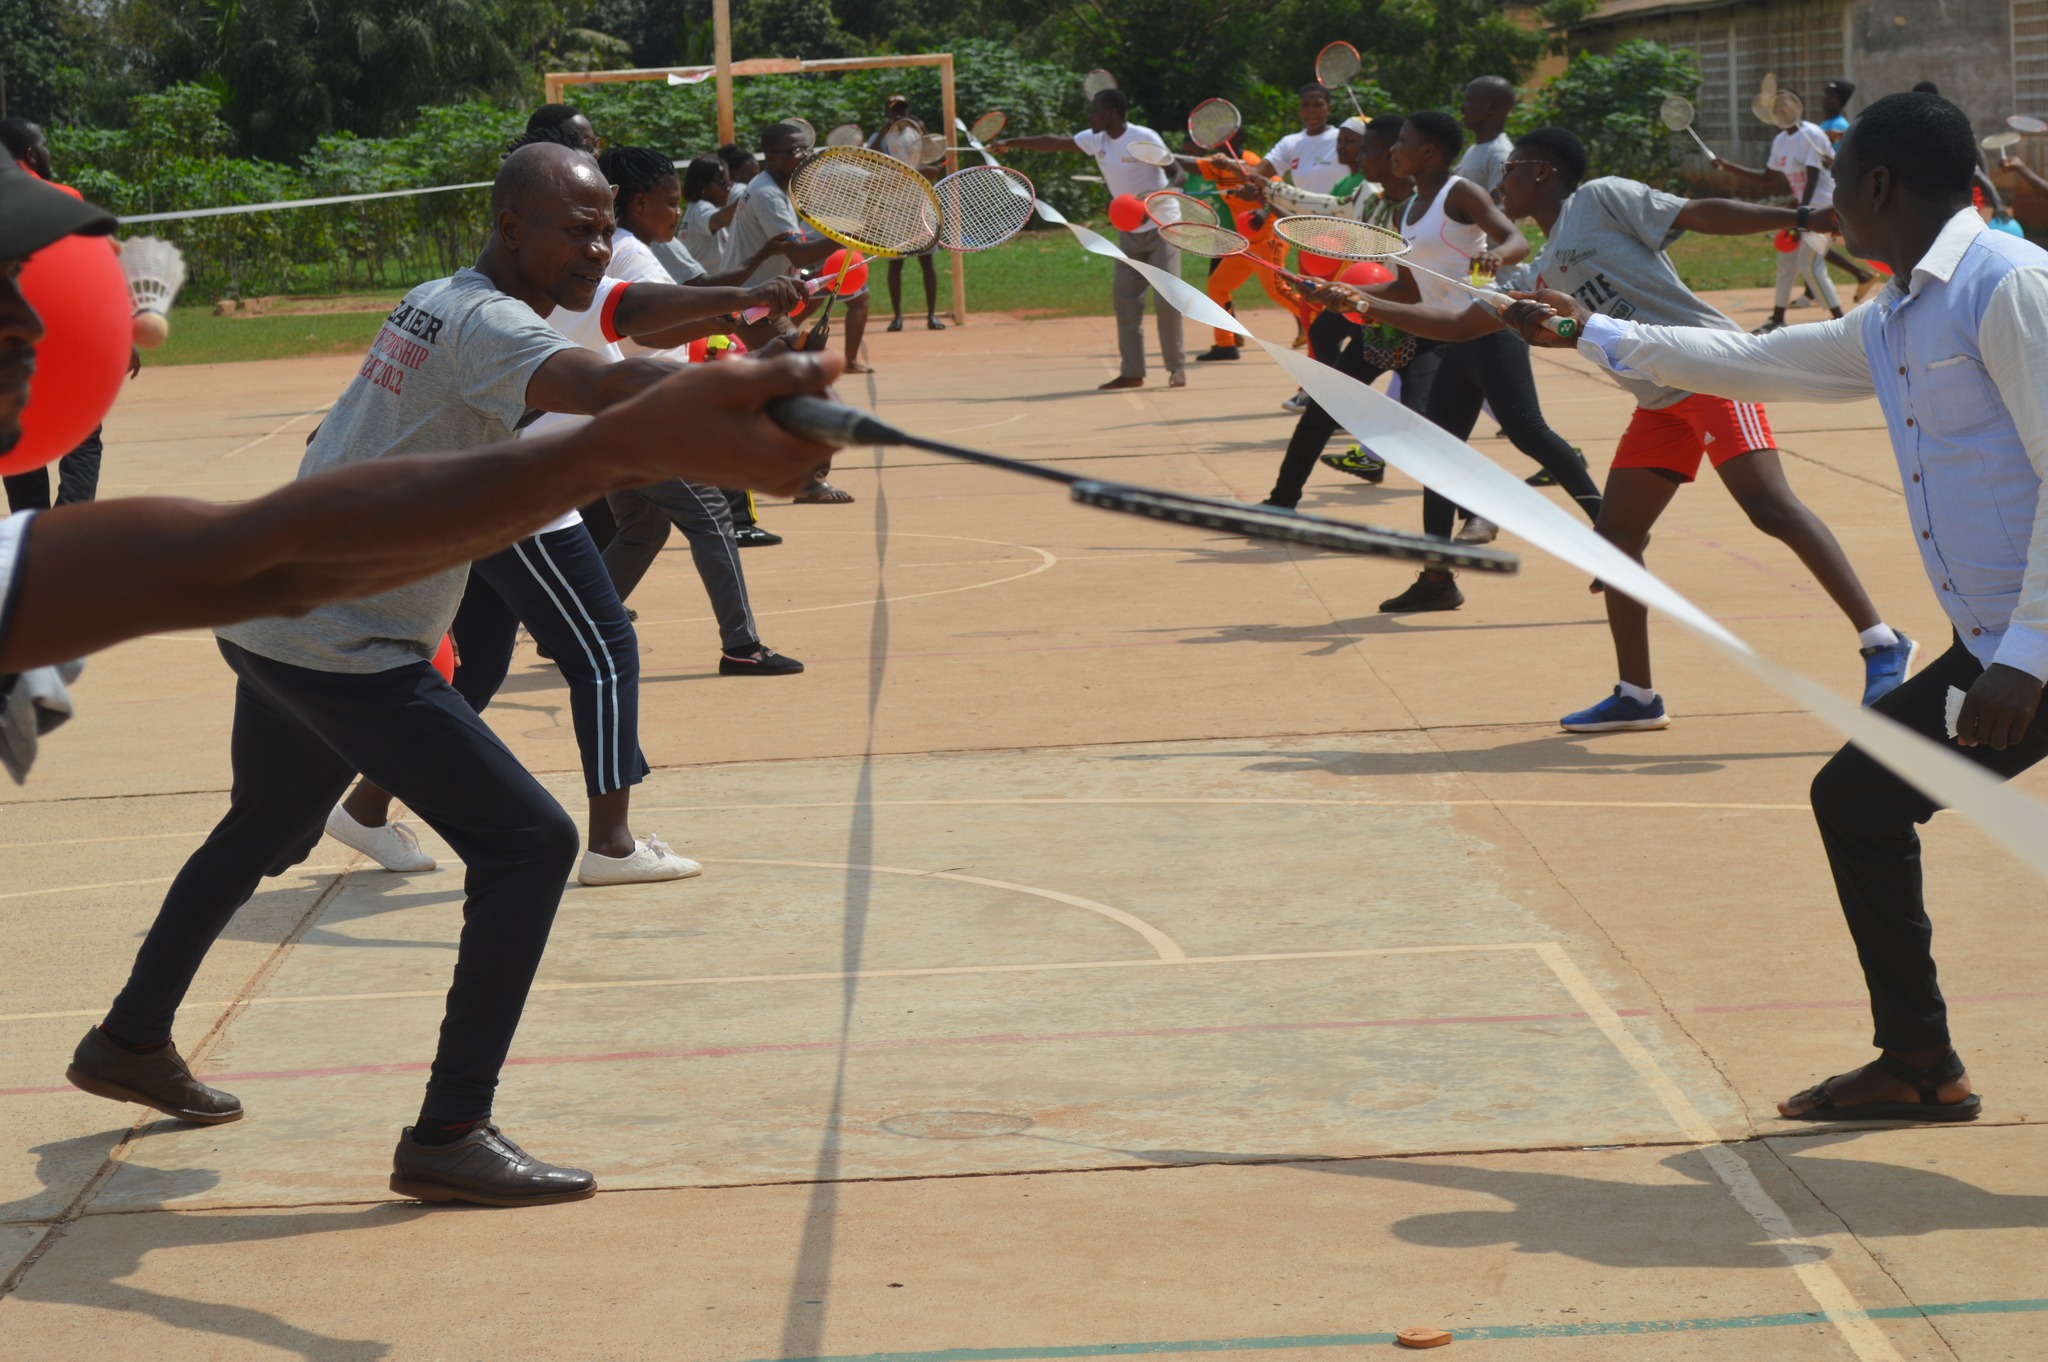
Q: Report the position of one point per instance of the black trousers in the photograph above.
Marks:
(1494, 370)
(78, 479)
(557, 586)
(299, 737)
(1341, 345)
(1867, 820)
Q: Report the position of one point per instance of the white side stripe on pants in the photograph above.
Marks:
(592, 643)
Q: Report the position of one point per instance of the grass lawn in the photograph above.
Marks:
(1040, 274)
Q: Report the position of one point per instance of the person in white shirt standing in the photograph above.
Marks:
(1484, 112)
(1802, 155)
(1108, 139)
(1956, 352)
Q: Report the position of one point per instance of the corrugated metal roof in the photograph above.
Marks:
(1642, 9)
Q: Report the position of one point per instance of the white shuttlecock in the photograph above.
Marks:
(155, 270)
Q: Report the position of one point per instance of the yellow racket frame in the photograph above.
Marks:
(908, 181)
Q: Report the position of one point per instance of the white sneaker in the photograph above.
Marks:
(1477, 530)
(651, 861)
(1297, 403)
(394, 846)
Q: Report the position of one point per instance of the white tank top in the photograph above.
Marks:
(1442, 245)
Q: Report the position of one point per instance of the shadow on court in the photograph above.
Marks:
(1553, 752)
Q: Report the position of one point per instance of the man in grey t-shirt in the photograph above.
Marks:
(348, 688)
(766, 213)
(1604, 245)
(1484, 112)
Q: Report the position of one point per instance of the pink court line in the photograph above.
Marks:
(1022, 1038)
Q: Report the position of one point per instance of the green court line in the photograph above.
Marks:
(1282, 1342)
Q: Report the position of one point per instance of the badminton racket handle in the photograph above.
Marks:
(1565, 328)
(830, 423)
(755, 314)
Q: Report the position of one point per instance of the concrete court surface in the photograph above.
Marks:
(1299, 978)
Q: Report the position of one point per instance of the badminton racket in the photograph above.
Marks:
(981, 207)
(1760, 107)
(1345, 239)
(1087, 179)
(2000, 142)
(932, 149)
(1677, 113)
(1095, 82)
(845, 135)
(1215, 242)
(988, 127)
(2026, 123)
(831, 423)
(868, 202)
(803, 126)
(1768, 86)
(1155, 154)
(1165, 206)
(1213, 122)
(1786, 111)
(1337, 65)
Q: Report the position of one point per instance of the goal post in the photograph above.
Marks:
(558, 82)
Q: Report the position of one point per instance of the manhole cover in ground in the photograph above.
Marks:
(957, 1125)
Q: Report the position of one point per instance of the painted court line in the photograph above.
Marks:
(1821, 1281)
(1466, 1334)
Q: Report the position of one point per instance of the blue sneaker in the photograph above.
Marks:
(1618, 714)
(1884, 669)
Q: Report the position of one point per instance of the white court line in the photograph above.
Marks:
(273, 431)
(829, 976)
(1820, 1279)
(129, 884)
(1047, 560)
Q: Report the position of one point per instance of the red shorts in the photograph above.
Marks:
(1673, 438)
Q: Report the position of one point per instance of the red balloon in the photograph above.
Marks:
(856, 273)
(1879, 266)
(77, 288)
(1319, 266)
(1127, 212)
(444, 658)
(1365, 273)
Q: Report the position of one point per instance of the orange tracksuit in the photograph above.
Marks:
(1232, 271)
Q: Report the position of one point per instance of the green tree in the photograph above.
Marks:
(1611, 103)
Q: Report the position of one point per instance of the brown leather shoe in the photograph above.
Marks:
(157, 1079)
(485, 1168)
(1119, 384)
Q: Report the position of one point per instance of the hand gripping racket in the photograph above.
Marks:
(868, 202)
(1677, 113)
(1344, 239)
(1337, 65)
(830, 423)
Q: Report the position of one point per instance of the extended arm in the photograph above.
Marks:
(1041, 142)
(1742, 172)
(1820, 362)
(1733, 217)
(96, 573)
(1416, 318)
(2025, 172)
(2013, 339)
(1467, 202)
(646, 310)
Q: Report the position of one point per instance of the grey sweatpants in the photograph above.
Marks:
(1128, 294)
(1804, 264)
(644, 515)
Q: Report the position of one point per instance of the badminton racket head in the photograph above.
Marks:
(1150, 154)
(2000, 141)
(904, 139)
(845, 135)
(981, 207)
(1768, 86)
(1260, 522)
(1340, 238)
(2026, 123)
(1214, 122)
(989, 126)
(1096, 81)
(1761, 108)
(1338, 64)
(803, 126)
(866, 200)
(1676, 112)
(1168, 206)
(1786, 110)
(932, 149)
(1206, 239)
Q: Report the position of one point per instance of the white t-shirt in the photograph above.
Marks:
(1484, 162)
(1312, 160)
(1122, 174)
(767, 213)
(591, 329)
(634, 262)
(707, 246)
(1798, 152)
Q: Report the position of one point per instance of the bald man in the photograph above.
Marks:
(1484, 112)
(458, 364)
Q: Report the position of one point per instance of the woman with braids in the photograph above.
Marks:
(648, 210)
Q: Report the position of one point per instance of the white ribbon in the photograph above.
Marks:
(1455, 470)
(274, 205)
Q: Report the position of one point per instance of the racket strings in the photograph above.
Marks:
(866, 200)
(1203, 239)
(1340, 238)
(1338, 64)
(989, 126)
(1677, 113)
(1214, 122)
(1167, 206)
(982, 207)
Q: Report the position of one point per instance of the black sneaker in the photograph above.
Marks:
(485, 1169)
(1216, 352)
(1543, 477)
(1426, 595)
(754, 537)
(760, 660)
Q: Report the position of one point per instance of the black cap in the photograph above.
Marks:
(33, 214)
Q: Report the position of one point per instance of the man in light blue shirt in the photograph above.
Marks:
(1956, 352)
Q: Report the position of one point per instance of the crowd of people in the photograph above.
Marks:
(550, 426)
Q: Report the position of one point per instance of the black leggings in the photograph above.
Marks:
(1495, 370)
(1341, 345)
